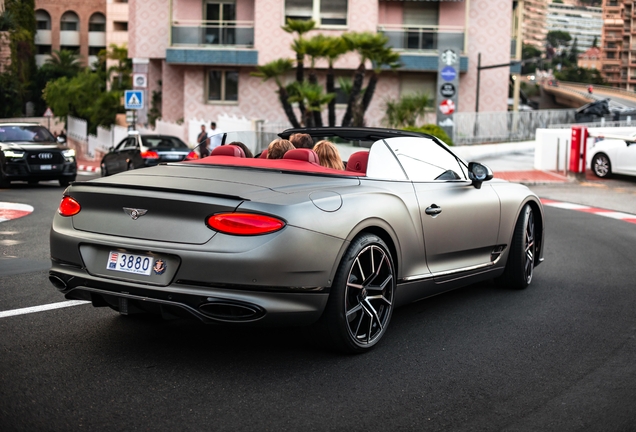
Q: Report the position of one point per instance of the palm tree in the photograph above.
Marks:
(379, 59)
(274, 70)
(336, 47)
(65, 60)
(315, 97)
(299, 27)
(367, 45)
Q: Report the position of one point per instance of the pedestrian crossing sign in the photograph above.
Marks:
(134, 99)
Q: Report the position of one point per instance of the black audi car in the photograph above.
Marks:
(139, 151)
(29, 152)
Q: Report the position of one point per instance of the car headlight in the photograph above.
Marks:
(14, 154)
(68, 153)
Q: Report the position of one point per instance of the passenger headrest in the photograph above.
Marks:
(263, 154)
(358, 162)
(302, 154)
(228, 150)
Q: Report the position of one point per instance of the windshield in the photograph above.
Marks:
(30, 133)
(163, 142)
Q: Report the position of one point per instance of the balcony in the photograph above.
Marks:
(213, 33)
(423, 38)
(212, 43)
(43, 37)
(96, 38)
(69, 38)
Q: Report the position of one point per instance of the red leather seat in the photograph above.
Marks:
(302, 154)
(228, 150)
(263, 154)
(358, 162)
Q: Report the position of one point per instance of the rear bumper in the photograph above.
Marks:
(245, 306)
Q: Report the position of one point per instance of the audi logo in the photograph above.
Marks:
(45, 155)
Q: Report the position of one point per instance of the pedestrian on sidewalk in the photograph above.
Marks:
(202, 141)
(215, 136)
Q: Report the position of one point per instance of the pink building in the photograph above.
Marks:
(203, 51)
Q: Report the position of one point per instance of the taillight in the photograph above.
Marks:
(192, 156)
(69, 207)
(244, 223)
(150, 155)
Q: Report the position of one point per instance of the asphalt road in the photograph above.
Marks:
(558, 356)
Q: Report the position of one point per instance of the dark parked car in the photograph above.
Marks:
(29, 152)
(138, 151)
(252, 241)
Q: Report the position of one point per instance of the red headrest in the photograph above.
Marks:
(358, 162)
(302, 154)
(228, 150)
(263, 154)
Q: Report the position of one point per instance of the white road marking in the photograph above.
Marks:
(42, 308)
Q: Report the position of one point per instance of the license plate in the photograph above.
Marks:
(129, 263)
(46, 167)
(173, 156)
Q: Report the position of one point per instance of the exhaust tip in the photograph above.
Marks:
(57, 282)
(231, 312)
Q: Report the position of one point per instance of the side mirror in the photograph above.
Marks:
(61, 140)
(478, 173)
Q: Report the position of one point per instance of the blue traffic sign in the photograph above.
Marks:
(134, 99)
(449, 73)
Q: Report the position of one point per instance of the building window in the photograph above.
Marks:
(69, 22)
(94, 50)
(120, 26)
(324, 12)
(43, 49)
(42, 20)
(97, 23)
(222, 86)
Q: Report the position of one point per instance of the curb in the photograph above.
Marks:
(88, 168)
(626, 217)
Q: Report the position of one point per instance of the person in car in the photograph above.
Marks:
(248, 153)
(329, 155)
(301, 140)
(278, 148)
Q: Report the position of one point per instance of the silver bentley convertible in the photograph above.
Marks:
(257, 241)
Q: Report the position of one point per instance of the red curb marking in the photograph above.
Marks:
(12, 214)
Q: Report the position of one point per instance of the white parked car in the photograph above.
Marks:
(613, 155)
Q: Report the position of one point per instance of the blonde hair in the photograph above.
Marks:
(278, 148)
(328, 155)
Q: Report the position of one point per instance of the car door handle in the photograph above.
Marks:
(433, 210)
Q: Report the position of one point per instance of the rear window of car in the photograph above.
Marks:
(166, 141)
(34, 134)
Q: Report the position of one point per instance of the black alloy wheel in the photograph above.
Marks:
(362, 296)
(102, 169)
(601, 165)
(520, 265)
(131, 166)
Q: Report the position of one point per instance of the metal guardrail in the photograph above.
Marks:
(497, 127)
(602, 88)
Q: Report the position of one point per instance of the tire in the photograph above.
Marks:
(64, 182)
(520, 265)
(102, 169)
(361, 301)
(601, 165)
(131, 166)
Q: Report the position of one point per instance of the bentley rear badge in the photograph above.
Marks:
(159, 267)
(135, 213)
